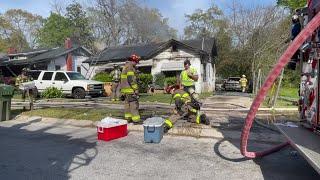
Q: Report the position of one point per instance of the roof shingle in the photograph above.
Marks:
(147, 51)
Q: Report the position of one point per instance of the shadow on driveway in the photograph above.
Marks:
(38, 154)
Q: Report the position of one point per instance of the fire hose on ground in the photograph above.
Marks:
(283, 60)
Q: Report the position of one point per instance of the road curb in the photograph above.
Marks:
(195, 131)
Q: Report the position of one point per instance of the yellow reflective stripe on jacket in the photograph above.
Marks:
(193, 110)
(134, 86)
(124, 76)
(198, 119)
(136, 118)
(127, 90)
(168, 123)
(185, 95)
(130, 73)
(127, 115)
(176, 96)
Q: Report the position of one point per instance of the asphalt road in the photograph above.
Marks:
(36, 150)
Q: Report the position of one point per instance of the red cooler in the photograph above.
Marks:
(109, 129)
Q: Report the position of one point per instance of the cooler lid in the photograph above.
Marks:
(154, 121)
(111, 122)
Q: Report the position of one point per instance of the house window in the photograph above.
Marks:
(79, 69)
(58, 68)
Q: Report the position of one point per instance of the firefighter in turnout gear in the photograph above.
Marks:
(129, 89)
(243, 83)
(185, 108)
(23, 78)
(187, 79)
(115, 74)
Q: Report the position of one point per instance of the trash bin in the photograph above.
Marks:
(6, 93)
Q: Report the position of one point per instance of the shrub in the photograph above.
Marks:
(52, 92)
(171, 81)
(144, 81)
(159, 80)
(103, 77)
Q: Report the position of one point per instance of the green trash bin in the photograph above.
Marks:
(6, 93)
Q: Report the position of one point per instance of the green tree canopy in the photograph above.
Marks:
(204, 23)
(18, 29)
(55, 30)
(81, 31)
(292, 4)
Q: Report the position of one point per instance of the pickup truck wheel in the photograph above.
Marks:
(78, 93)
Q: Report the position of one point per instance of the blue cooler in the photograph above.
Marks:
(153, 129)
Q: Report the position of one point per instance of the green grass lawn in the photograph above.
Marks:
(161, 98)
(286, 97)
(289, 92)
(281, 103)
(86, 114)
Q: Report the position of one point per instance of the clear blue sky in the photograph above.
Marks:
(175, 10)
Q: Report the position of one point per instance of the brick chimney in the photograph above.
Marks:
(12, 50)
(68, 45)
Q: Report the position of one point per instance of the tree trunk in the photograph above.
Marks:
(257, 83)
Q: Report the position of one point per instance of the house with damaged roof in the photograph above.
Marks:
(68, 58)
(165, 57)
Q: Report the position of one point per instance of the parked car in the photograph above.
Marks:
(71, 83)
(232, 84)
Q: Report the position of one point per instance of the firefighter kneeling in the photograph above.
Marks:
(185, 108)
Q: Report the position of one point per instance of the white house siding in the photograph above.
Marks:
(77, 62)
(182, 54)
(209, 84)
(60, 61)
(169, 56)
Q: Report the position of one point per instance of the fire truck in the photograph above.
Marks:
(305, 136)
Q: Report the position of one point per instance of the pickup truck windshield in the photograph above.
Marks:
(233, 79)
(75, 76)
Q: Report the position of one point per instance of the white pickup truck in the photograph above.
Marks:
(71, 83)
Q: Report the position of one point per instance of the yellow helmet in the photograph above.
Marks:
(243, 76)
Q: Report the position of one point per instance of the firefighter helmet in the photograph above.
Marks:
(134, 58)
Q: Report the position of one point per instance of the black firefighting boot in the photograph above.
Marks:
(204, 119)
